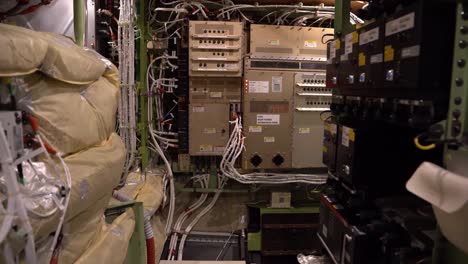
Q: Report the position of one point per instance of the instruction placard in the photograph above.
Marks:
(259, 86)
(276, 84)
(267, 119)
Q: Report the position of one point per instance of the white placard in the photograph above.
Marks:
(369, 36)
(198, 109)
(348, 44)
(276, 84)
(409, 52)
(377, 58)
(255, 129)
(304, 130)
(332, 54)
(268, 139)
(400, 24)
(268, 119)
(259, 86)
(345, 136)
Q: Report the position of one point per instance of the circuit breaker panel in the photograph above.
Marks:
(283, 96)
(215, 48)
(311, 98)
(215, 70)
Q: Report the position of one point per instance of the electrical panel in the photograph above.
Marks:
(215, 90)
(418, 49)
(333, 62)
(284, 94)
(215, 48)
(370, 58)
(347, 74)
(13, 128)
(268, 119)
(287, 42)
(311, 98)
(209, 129)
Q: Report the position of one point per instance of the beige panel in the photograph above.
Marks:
(215, 48)
(215, 90)
(310, 99)
(288, 42)
(267, 117)
(208, 129)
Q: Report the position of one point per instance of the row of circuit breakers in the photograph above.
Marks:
(279, 88)
(395, 56)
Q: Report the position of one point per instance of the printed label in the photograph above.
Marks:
(369, 36)
(231, 66)
(344, 57)
(268, 139)
(206, 148)
(377, 58)
(276, 84)
(209, 130)
(345, 137)
(310, 43)
(332, 54)
(348, 43)
(198, 109)
(255, 129)
(400, 24)
(219, 148)
(273, 42)
(216, 94)
(409, 52)
(259, 86)
(265, 119)
(304, 130)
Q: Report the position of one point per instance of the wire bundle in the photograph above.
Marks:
(127, 103)
(234, 148)
(35, 188)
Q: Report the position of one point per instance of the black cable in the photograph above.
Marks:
(327, 35)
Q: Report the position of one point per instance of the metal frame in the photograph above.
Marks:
(136, 252)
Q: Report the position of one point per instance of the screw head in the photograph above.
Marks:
(463, 30)
(462, 44)
(457, 100)
(461, 63)
(458, 81)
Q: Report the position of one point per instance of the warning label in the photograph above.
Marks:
(268, 119)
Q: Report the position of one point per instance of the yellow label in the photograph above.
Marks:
(338, 44)
(310, 43)
(210, 130)
(352, 135)
(325, 149)
(362, 59)
(273, 42)
(206, 148)
(355, 37)
(389, 53)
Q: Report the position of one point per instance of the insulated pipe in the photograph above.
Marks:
(79, 21)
